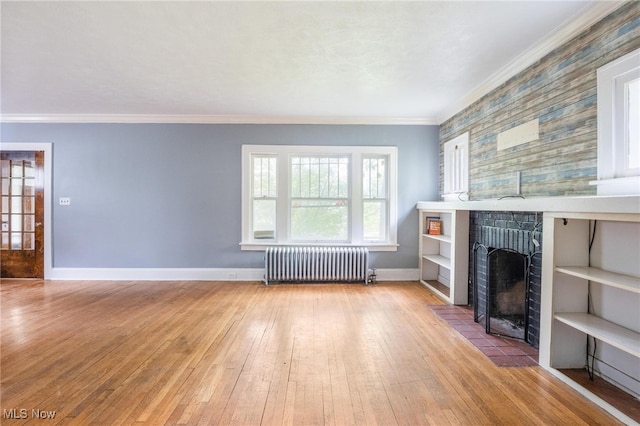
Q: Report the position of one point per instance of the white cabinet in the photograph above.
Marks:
(444, 258)
(590, 312)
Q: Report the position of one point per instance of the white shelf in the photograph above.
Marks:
(613, 334)
(440, 288)
(624, 282)
(443, 238)
(438, 259)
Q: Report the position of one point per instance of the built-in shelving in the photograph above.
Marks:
(591, 293)
(444, 257)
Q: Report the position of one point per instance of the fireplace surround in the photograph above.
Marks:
(505, 272)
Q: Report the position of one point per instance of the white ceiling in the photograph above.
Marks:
(359, 62)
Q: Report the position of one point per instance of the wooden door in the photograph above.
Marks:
(22, 232)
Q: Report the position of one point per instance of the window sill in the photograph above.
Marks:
(618, 186)
(456, 196)
(371, 247)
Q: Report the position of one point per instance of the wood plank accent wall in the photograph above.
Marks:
(559, 90)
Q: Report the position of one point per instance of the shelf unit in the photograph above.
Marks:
(592, 295)
(444, 258)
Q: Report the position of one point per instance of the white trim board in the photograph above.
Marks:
(195, 274)
(212, 119)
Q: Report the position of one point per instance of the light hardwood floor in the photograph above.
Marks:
(109, 352)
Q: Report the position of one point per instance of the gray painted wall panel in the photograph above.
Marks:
(168, 195)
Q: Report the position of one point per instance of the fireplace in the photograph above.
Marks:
(500, 297)
(505, 263)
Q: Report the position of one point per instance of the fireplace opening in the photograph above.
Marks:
(501, 289)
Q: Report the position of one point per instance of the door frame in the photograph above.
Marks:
(48, 224)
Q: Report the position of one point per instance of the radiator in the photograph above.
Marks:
(316, 264)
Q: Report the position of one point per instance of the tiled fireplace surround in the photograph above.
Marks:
(516, 231)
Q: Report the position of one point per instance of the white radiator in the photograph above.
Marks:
(316, 264)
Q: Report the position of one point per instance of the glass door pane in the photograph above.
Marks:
(17, 203)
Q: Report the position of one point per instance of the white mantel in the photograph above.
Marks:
(591, 204)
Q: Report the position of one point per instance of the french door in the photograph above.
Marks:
(22, 214)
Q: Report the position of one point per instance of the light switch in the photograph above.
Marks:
(65, 201)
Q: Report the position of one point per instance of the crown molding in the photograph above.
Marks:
(561, 35)
(211, 119)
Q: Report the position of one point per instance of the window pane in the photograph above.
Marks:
(29, 204)
(4, 169)
(16, 186)
(16, 241)
(343, 181)
(5, 241)
(16, 222)
(28, 241)
(319, 220)
(374, 220)
(29, 186)
(319, 177)
(29, 168)
(264, 176)
(374, 178)
(264, 219)
(16, 204)
(633, 124)
(16, 168)
(29, 222)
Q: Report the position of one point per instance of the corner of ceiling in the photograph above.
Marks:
(590, 15)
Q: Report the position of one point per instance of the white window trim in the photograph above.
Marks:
(611, 179)
(282, 226)
(456, 168)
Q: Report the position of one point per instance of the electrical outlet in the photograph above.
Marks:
(65, 201)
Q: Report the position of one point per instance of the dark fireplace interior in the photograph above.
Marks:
(504, 273)
(504, 287)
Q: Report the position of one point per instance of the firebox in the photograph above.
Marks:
(501, 300)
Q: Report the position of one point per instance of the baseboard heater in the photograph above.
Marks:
(316, 264)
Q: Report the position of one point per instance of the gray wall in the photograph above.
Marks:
(559, 90)
(168, 195)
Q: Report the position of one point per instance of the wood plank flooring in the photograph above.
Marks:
(235, 353)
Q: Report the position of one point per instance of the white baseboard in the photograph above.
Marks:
(397, 274)
(195, 274)
(157, 274)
